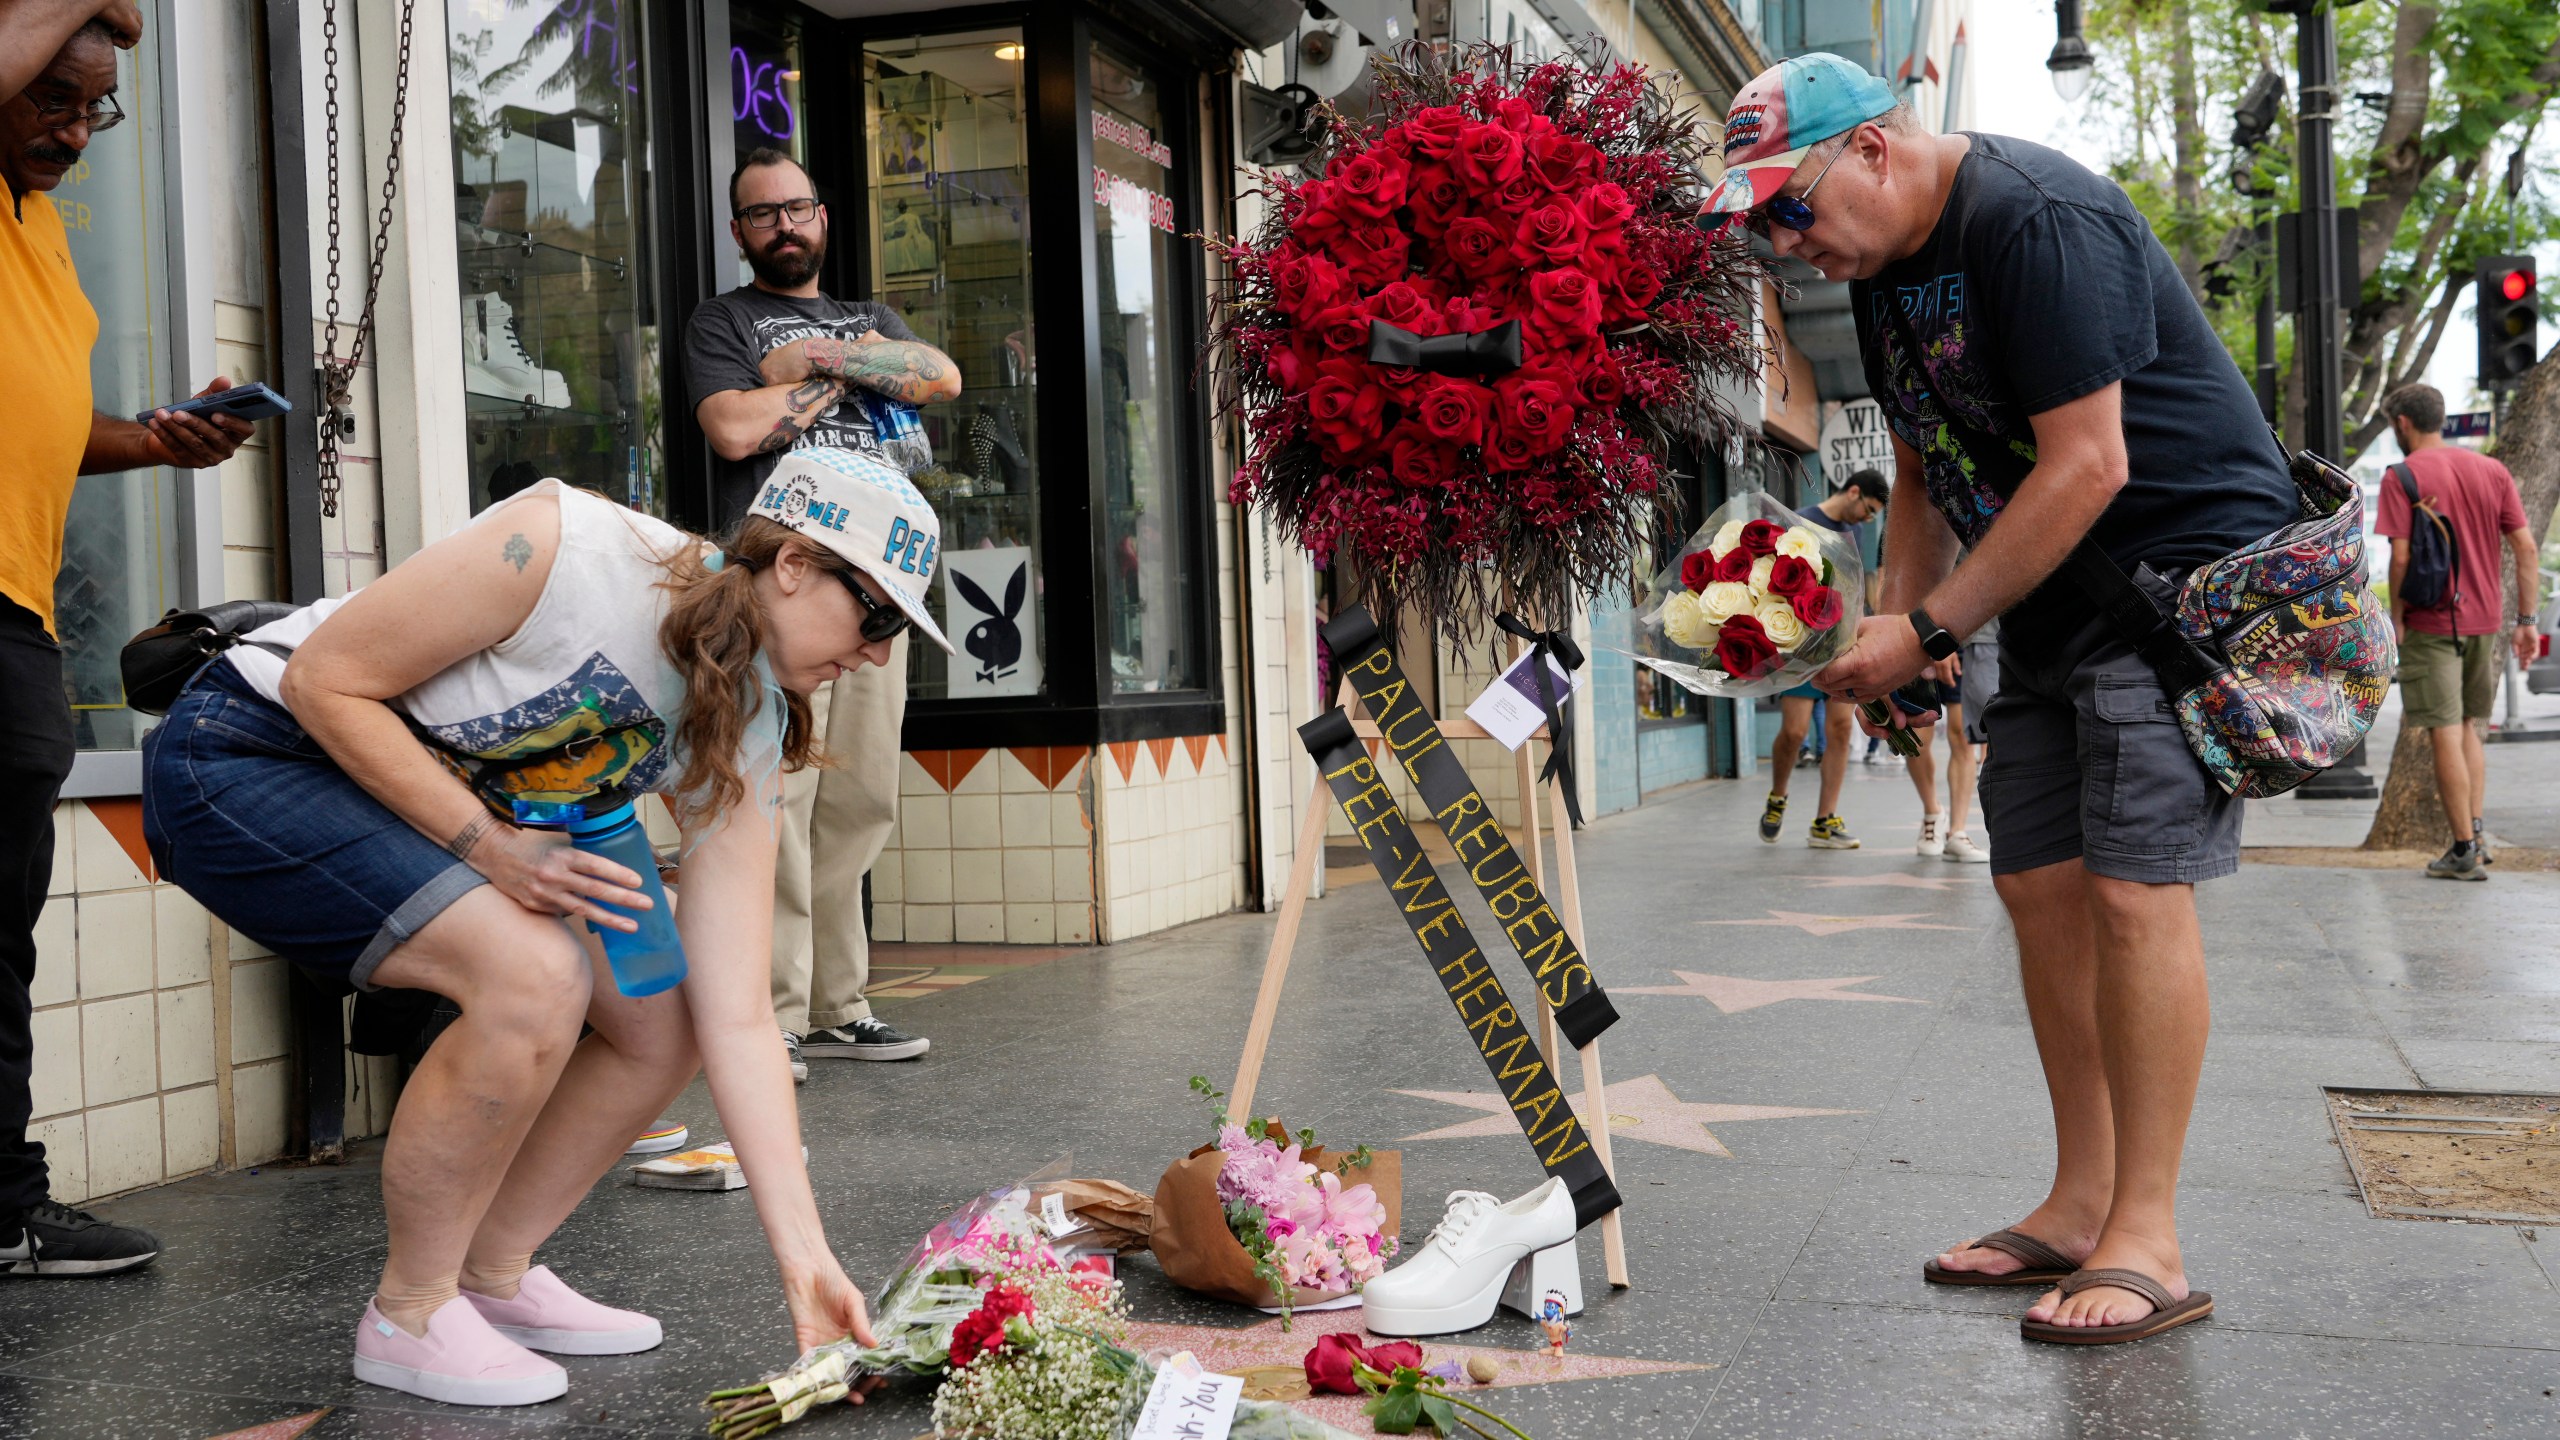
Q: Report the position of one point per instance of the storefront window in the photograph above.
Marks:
(765, 101)
(1141, 393)
(950, 249)
(120, 547)
(559, 330)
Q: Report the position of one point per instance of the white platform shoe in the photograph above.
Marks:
(1472, 1257)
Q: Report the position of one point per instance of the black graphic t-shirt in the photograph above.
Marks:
(2041, 285)
(732, 333)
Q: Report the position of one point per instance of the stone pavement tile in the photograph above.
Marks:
(2485, 1064)
(1845, 1370)
(1879, 1228)
(47, 1408)
(2429, 1015)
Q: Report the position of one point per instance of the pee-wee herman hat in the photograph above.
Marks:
(863, 509)
(1786, 110)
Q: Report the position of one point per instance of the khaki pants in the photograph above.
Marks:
(834, 823)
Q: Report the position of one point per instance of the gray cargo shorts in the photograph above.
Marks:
(2087, 763)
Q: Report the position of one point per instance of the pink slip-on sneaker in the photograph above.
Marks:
(547, 1315)
(460, 1360)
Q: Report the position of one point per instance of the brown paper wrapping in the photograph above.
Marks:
(1198, 1251)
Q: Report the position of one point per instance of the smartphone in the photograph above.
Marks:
(253, 401)
(1914, 700)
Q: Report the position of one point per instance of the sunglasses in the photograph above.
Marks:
(765, 217)
(879, 622)
(1791, 211)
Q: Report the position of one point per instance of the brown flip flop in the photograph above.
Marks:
(2040, 1264)
(2166, 1314)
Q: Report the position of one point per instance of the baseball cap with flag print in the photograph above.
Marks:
(1785, 111)
(866, 511)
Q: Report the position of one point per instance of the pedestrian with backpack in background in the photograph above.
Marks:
(2446, 509)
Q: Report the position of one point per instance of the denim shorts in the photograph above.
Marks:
(2088, 763)
(245, 812)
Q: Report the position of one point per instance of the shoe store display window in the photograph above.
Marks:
(560, 347)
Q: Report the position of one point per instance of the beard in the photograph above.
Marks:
(788, 268)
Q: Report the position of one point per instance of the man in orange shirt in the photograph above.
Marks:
(2449, 652)
(53, 436)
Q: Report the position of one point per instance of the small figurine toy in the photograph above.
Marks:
(1552, 1323)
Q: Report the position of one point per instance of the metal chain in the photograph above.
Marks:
(337, 373)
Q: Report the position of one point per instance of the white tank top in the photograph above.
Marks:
(585, 664)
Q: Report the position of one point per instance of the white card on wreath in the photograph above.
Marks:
(1188, 1403)
(1509, 710)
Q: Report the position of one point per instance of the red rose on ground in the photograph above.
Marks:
(1791, 576)
(1329, 1365)
(1550, 234)
(1760, 537)
(1368, 185)
(1344, 329)
(1435, 131)
(1564, 305)
(1392, 1354)
(1536, 404)
(1744, 649)
(1454, 410)
(1605, 206)
(1488, 155)
(1476, 248)
(1818, 608)
(1420, 460)
(1697, 570)
(1561, 162)
(1735, 565)
(1435, 195)
(1344, 409)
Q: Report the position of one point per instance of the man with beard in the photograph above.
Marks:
(774, 365)
(52, 437)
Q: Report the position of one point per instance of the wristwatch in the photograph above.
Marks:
(1934, 637)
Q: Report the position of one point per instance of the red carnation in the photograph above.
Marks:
(1697, 570)
(1561, 162)
(1419, 460)
(1435, 130)
(1536, 403)
(1760, 537)
(1564, 305)
(1344, 409)
(1454, 410)
(983, 1329)
(1551, 234)
(1488, 155)
(1735, 565)
(1435, 196)
(1476, 248)
(1368, 185)
(1744, 649)
(1792, 576)
(1818, 608)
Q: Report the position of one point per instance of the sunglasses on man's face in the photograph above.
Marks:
(879, 621)
(1791, 211)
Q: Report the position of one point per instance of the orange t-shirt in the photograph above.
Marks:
(46, 330)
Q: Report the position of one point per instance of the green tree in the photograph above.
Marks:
(2435, 100)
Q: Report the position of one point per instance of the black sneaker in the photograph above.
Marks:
(51, 1239)
(869, 1038)
(799, 1066)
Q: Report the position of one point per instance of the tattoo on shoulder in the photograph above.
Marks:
(518, 551)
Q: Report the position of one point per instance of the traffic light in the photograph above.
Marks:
(2509, 303)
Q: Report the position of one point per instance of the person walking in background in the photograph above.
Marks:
(774, 365)
(52, 436)
(1858, 500)
(1942, 831)
(2449, 649)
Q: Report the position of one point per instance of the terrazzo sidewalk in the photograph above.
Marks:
(1822, 1076)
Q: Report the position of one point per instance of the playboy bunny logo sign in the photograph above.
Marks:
(987, 600)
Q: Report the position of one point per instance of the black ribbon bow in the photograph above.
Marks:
(1482, 352)
(1542, 644)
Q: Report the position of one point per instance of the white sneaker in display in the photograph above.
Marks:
(1962, 850)
(1933, 835)
(1457, 1279)
(494, 361)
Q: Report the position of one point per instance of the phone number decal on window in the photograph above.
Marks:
(1132, 202)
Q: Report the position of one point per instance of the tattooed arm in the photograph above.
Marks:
(763, 421)
(908, 370)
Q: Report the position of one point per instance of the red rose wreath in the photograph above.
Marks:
(1520, 243)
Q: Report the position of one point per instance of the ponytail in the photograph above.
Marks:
(712, 634)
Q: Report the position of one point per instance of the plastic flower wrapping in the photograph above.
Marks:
(1757, 601)
(1308, 1228)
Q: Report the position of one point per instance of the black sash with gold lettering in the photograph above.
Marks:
(1519, 1071)
(1475, 832)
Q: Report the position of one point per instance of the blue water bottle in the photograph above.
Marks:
(647, 960)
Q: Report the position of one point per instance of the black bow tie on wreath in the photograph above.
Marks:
(1480, 352)
(1543, 645)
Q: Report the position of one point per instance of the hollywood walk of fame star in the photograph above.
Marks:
(1641, 1109)
(1263, 1347)
(1839, 924)
(1890, 882)
(1732, 993)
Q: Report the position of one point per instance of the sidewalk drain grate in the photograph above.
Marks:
(2472, 1155)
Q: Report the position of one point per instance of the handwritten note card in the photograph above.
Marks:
(1509, 710)
(1188, 1403)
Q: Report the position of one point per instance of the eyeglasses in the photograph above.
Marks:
(102, 113)
(879, 622)
(765, 217)
(1791, 211)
